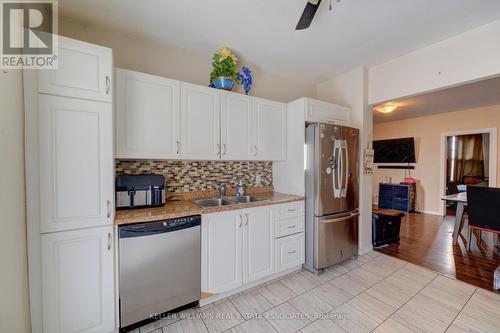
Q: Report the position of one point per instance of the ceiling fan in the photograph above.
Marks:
(309, 12)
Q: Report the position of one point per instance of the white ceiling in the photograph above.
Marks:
(464, 97)
(355, 33)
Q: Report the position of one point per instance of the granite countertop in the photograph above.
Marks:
(180, 208)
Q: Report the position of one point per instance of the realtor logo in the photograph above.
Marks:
(29, 34)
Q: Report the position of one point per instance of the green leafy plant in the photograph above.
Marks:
(224, 63)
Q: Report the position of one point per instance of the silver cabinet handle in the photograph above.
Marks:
(224, 149)
(246, 223)
(292, 226)
(218, 149)
(256, 150)
(292, 252)
(109, 241)
(108, 203)
(178, 147)
(241, 220)
(292, 210)
(108, 84)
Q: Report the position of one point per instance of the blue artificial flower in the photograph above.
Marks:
(245, 78)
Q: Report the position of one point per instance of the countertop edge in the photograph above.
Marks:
(192, 209)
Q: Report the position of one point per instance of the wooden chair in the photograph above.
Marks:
(483, 204)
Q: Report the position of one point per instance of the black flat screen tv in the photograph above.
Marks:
(394, 151)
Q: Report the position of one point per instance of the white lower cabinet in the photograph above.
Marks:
(290, 251)
(78, 281)
(241, 246)
(238, 247)
(221, 251)
(258, 244)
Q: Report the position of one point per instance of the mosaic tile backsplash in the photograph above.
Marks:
(185, 176)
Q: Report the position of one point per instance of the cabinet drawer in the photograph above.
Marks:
(291, 209)
(290, 251)
(289, 226)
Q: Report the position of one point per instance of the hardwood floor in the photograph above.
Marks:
(426, 240)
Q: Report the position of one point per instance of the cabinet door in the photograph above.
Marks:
(221, 251)
(236, 126)
(84, 71)
(200, 122)
(76, 163)
(290, 251)
(147, 116)
(269, 130)
(78, 281)
(259, 244)
(318, 111)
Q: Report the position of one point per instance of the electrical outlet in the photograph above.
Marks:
(258, 180)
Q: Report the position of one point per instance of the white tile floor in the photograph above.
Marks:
(375, 293)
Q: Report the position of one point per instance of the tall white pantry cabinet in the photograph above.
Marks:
(70, 201)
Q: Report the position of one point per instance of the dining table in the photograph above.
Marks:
(461, 200)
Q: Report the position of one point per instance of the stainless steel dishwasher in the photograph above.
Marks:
(160, 267)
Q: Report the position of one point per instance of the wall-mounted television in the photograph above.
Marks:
(394, 151)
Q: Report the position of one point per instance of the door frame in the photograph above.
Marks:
(442, 160)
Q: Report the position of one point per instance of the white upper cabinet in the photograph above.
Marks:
(158, 118)
(200, 122)
(236, 126)
(76, 163)
(221, 251)
(322, 112)
(84, 71)
(259, 243)
(78, 281)
(269, 130)
(147, 116)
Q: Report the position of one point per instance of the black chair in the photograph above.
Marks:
(453, 188)
(483, 204)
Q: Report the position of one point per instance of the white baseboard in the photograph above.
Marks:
(430, 212)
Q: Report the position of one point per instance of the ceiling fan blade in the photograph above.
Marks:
(307, 15)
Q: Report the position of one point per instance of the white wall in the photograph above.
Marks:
(467, 57)
(14, 305)
(142, 55)
(351, 90)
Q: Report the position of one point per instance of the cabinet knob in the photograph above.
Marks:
(110, 241)
(108, 204)
(108, 84)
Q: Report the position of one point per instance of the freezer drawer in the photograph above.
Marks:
(337, 239)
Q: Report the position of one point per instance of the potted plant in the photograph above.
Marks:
(223, 75)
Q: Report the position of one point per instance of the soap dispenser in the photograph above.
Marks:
(240, 190)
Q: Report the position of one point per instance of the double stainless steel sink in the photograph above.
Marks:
(226, 201)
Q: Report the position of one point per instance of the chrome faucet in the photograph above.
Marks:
(222, 190)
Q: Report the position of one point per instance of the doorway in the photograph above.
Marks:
(467, 158)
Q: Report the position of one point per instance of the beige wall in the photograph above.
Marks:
(141, 55)
(427, 131)
(14, 306)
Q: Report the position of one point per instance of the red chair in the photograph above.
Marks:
(483, 205)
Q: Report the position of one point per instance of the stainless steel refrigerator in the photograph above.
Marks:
(332, 195)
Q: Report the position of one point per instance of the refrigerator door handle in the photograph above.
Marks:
(340, 219)
(344, 188)
(337, 156)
